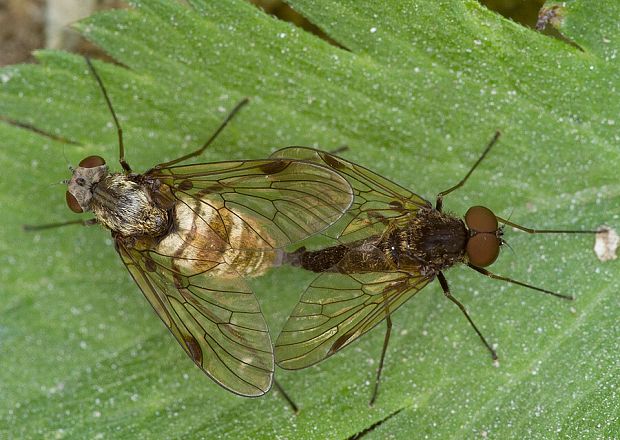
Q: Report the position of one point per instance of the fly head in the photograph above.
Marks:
(80, 188)
(484, 236)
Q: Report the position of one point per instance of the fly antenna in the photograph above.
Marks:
(512, 211)
(509, 247)
(64, 156)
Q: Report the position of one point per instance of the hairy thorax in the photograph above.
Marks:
(430, 242)
(126, 207)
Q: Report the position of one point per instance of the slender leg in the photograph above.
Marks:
(446, 291)
(286, 397)
(339, 150)
(38, 131)
(89, 222)
(543, 231)
(519, 283)
(440, 196)
(388, 332)
(199, 151)
(374, 426)
(119, 130)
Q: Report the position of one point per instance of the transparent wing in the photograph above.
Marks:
(280, 201)
(377, 200)
(336, 309)
(216, 320)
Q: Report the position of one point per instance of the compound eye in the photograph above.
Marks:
(92, 162)
(481, 219)
(72, 203)
(482, 249)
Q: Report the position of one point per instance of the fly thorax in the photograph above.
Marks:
(437, 240)
(126, 207)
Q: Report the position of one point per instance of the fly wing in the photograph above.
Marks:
(336, 309)
(280, 201)
(216, 320)
(377, 201)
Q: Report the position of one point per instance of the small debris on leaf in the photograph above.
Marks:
(606, 243)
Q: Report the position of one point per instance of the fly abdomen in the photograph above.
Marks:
(357, 257)
(323, 260)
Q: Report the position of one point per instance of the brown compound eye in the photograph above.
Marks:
(92, 162)
(481, 219)
(72, 203)
(483, 249)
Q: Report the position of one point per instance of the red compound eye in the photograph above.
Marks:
(482, 249)
(481, 219)
(72, 203)
(92, 162)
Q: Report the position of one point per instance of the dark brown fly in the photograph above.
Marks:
(391, 243)
(191, 234)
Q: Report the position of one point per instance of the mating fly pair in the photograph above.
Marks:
(190, 235)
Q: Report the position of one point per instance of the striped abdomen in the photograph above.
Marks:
(208, 238)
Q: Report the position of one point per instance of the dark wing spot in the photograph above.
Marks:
(332, 161)
(150, 265)
(212, 189)
(342, 340)
(396, 205)
(275, 166)
(194, 349)
(178, 282)
(185, 185)
(164, 201)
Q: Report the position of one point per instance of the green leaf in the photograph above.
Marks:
(420, 90)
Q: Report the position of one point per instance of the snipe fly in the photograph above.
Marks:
(391, 244)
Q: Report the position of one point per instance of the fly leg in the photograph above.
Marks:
(286, 397)
(388, 332)
(446, 291)
(199, 151)
(339, 150)
(38, 131)
(89, 222)
(518, 283)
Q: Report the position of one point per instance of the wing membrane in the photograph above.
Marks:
(336, 309)
(283, 201)
(216, 320)
(377, 200)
